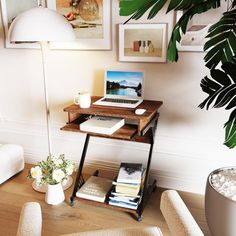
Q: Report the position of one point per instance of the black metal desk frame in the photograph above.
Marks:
(148, 188)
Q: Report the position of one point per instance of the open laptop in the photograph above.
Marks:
(122, 89)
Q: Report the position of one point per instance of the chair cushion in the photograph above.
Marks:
(135, 231)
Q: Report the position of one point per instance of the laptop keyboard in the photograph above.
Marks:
(115, 100)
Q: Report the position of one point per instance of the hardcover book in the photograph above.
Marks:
(102, 124)
(132, 201)
(95, 188)
(113, 193)
(123, 204)
(130, 173)
(127, 190)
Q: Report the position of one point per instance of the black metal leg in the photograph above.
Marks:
(79, 178)
(147, 189)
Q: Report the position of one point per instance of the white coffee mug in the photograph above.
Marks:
(83, 100)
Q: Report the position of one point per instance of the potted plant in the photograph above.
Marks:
(52, 172)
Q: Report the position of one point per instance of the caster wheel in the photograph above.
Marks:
(140, 218)
(72, 203)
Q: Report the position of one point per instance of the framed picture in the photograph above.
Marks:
(197, 29)
(91, 20)
(10, 9)
(142, 42)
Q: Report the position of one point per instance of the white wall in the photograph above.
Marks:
(188, 143)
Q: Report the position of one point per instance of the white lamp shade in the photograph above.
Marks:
(40, 24)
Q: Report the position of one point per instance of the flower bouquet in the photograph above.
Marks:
(51, 174)
(52, 171)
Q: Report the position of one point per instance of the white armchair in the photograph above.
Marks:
(11, 161)
(176, 214)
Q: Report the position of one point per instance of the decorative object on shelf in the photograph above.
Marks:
(143, 42)
(91, 21)
(53, 171)
(220, 201)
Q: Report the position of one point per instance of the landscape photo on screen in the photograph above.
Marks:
(123, 83)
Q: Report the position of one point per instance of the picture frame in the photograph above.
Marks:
(92, 33)
(143, 42)
(194, 38)
(99, 40)
(10, 9)
(197, 29)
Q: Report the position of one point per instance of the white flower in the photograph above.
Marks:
(58, 161)
(58, 175)
(36, 172)
(70, 169)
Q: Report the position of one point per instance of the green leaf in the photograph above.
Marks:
(225, 96)
(221, 77)
(222, 42)
(230, 131)
(137, 8)
(156, 8)
(221, 89)
(230, 69)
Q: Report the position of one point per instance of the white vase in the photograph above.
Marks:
(54, 194)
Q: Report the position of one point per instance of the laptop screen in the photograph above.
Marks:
(124, 84)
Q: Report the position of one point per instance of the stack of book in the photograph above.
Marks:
(126, 189)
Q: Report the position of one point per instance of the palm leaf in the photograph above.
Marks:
(221, 88)
(137, 8)
(222, 42)
(230, 130)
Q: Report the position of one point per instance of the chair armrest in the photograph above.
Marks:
(177, 216)
(133, 231)
(30, 223)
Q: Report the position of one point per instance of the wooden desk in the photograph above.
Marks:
(138, 128)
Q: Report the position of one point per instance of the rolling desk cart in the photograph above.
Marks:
(138, 128)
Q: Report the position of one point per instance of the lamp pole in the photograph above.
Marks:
(43, 46)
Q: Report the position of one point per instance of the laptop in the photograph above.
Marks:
(122, 89)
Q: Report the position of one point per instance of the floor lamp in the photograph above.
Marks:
(41, 25)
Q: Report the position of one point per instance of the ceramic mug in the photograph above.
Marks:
(83, 100)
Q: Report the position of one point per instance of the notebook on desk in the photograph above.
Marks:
(122, 89)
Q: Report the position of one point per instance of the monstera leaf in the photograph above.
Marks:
(222, 43)
(222, 93)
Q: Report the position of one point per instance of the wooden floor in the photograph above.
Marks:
(63, 219)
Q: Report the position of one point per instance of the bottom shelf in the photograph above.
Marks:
(139, 211)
